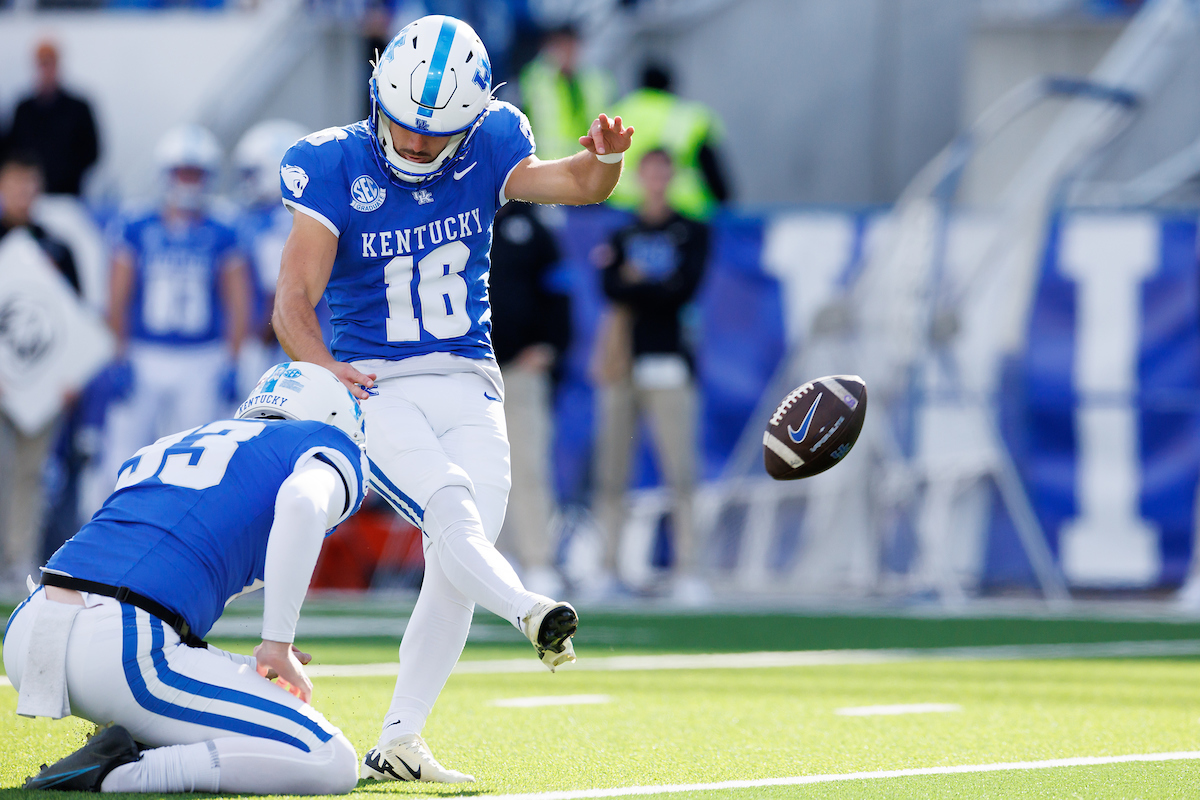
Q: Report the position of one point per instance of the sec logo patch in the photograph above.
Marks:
(366, 194)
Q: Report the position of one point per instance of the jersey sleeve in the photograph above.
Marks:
(348, 461)
(510, 141)
(313, 182)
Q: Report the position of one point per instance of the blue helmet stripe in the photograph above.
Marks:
(437, 67)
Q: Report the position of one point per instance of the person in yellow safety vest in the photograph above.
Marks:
(559, 97)
(688, 131)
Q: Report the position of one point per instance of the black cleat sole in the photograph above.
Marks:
(557, 626)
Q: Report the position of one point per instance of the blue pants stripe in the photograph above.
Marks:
(148, 701)
(399, 500)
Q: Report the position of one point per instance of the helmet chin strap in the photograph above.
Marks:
(412, 171)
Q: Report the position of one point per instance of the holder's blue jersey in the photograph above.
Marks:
(411, 270)
(188, 523)
(176, 291)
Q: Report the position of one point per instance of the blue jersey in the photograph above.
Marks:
(176, 291)
(188, 523)
(410, 275)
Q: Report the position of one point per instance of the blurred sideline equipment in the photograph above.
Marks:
(928, 318)
(805, 437)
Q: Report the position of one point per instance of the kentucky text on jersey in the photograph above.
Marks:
(400, 242)
(411, 269)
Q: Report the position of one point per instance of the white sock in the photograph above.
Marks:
(471, 562)
(432, 643)
(179, 768)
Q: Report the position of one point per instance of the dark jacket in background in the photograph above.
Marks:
(61, 131)
(524, 309)
(671, 257)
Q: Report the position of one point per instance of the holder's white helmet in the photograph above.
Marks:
(434, 79)
(257, 155)
(300, 390)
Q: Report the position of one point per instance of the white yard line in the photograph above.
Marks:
(798, 658)
(801, 658)
(889, 711)
(628, 791)
(552, 700)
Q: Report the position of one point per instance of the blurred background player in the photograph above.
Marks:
(652, 270)
(262, 226)
(179, 305)
(531, 331)
(56, 125)
(689, 132)
(561, 96)
(22, 491)
(197, 519)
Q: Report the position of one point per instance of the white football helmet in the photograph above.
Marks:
(435, 79)
(257, 155)
(300, 390)
(188, 146)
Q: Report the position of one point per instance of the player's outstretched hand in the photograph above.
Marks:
(607, 136)
(359, 383)
(283, 661)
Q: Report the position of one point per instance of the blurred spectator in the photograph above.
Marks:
(688, 131)
(531, 329)
(23, 456)
(55, 125)
(643, 366)
(560, 97)
(178, 303)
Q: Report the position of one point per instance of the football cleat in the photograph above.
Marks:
(85, 769)
(408, 759)
(550, 627)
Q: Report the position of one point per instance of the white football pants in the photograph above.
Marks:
(239, 732)
(439, 455)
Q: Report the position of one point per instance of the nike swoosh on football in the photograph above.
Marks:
(458, 175)
(798, 435)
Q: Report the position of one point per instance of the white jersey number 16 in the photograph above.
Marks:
(441, 288)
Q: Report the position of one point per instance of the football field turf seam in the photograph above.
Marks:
(797, 658)
(630, 791)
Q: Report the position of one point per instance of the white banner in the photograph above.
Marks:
(50, 343)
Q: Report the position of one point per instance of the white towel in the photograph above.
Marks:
(44, 679)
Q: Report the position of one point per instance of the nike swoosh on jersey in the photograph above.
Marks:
(489, 397)
(798, 435)
(458, 175)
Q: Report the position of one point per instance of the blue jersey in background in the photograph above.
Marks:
(410, 275)
(176, 292)
(188, 523)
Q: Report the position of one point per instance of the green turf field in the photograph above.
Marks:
(653, 726)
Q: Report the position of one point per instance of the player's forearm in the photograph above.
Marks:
(302, 515)
(595, 179)
(237, 301)
(297, 328)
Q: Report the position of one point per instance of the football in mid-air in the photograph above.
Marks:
(814, 427)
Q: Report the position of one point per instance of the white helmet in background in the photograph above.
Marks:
(182, 150)
(434, 79)
(257, 155)
(300, 390)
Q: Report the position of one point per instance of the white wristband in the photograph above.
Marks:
(610, 158)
